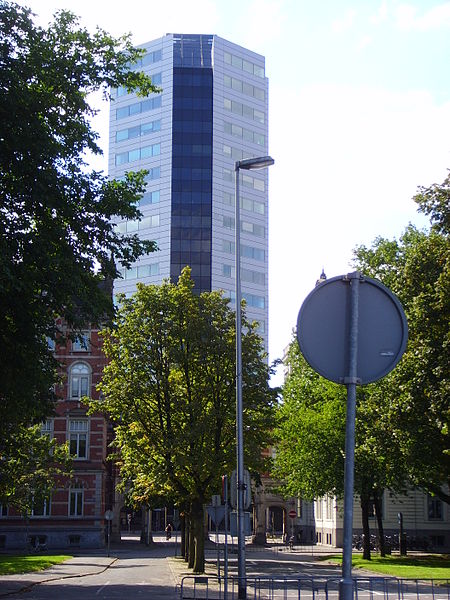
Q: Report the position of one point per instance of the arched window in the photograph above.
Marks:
(80, 376)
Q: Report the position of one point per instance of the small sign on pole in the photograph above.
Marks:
(108, 517)
(216, 513)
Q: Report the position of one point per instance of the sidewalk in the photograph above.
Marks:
(77, 566)
(167, 569)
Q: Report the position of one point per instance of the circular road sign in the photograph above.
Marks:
(323, 327)
(292, 514)
(109, 515)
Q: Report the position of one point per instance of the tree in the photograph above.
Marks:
(310, 432)
(57, 239)
(417, 268)
(310, 441)
(31, 464)
(402, 436)
(169, 388)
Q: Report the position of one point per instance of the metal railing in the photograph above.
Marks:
(313, 588)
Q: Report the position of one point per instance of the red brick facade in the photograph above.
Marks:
(74, 516)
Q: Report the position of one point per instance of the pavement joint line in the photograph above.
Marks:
(30, 586)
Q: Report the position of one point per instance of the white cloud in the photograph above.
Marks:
(260, 22)
(346, 169)
(345, 22)
(364, 41)
(142, 19)
(382, 14)
(407, 17)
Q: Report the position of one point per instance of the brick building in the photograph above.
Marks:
(74, 514)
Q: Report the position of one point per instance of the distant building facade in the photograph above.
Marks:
(212, 111)
(73, 516)
(426, 520)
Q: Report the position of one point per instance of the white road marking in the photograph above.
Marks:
(102, 588)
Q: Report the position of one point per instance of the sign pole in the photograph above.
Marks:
(352, 335)
(346, 584)
(108, 517)
(225, 550)
(218, 549)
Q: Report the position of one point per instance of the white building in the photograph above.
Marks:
(426, 519)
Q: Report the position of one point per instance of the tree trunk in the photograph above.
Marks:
(187, 537)
(365, 501)
(182, 535)
(191, 543)
(379, 516)
(197, 525)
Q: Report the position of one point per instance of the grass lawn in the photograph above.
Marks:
(10, 565)
(430, 566)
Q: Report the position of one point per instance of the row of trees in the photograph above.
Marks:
(169, 387)
(402, 436)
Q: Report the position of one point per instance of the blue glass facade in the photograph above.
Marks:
(192, 138)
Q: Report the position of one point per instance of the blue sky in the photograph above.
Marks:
(359, 97)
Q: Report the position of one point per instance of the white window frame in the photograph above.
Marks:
(77, 494)
(78, 432)
(433, 502)
(47, 428)
(85, 375)
(82, 342)
(46, 508)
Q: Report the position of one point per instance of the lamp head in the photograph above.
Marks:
(254, 163)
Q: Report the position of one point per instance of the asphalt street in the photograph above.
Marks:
(157, 572)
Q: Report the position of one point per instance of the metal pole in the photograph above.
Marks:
(225, 550)
(242, 587)
(346, 583)
(217, 546)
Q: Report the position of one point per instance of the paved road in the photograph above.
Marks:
(125, 575)
(155, 573)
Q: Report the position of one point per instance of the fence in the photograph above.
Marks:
(313, 588)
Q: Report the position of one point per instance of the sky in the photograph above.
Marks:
(359, 118)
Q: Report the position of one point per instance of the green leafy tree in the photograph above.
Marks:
(402, 436)
(310, 432)
(32, 465)
(310, 436)
(417, 268)
(58, 244)
(170, 389)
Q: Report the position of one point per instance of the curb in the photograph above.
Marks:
(31, 585)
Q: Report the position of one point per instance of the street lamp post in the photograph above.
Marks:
(246, 164)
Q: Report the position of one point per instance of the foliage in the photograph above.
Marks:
(57, 239)
(416, 394)
(435, 202)
(31, 465)
(12, 565)
(402, 435)
(310, 436)
(310, 432)
(170, 389)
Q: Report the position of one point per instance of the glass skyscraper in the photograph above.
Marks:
(212, 111)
